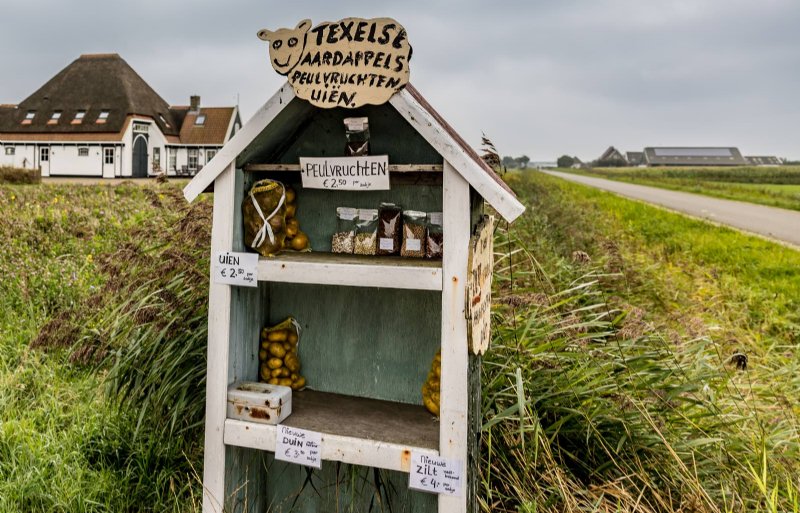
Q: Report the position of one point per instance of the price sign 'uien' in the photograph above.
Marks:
(346, 63)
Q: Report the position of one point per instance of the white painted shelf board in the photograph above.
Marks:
(365, 432)
(352, 270)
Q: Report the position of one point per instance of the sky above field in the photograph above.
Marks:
(539, 78)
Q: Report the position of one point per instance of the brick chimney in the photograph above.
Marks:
(194, 103)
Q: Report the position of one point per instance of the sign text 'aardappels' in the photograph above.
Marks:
(347, 63)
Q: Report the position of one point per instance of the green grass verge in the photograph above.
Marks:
(644, 361)
(772, 186)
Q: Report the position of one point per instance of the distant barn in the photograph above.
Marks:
(694, 156)
(635, 158)
(763, 161)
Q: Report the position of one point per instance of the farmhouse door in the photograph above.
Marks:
(140, 156)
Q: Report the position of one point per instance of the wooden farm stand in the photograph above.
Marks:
(371, 325)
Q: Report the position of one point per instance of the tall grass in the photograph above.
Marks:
(594, 404)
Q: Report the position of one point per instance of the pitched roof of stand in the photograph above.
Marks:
(417, 111)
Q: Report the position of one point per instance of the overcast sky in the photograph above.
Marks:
(539, 78)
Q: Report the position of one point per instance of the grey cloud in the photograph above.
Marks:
(542, 78)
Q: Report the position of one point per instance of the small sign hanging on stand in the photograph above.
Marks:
(479, 286)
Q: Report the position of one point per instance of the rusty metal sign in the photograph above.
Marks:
(479, 286)
(346, 63)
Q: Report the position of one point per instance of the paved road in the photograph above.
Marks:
(776, 223)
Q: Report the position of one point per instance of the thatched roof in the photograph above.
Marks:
(92, 83)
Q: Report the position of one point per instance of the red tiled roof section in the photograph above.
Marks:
(461, 142)
(212, 131)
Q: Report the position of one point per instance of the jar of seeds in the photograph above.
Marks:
(413, 234)
(389, 229)
(366, 232)
(435, 238)
(343, 241)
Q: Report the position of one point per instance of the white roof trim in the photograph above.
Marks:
(231, 150)
(423, 122)
(506, 204)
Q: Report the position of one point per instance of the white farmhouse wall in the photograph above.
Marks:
(66, 161)
(23, 155)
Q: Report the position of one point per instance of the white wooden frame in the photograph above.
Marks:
(219, 316)
(455, 358)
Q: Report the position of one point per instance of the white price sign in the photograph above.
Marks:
(236, 268)
(369, 173)
(435, 475)
(298, 446)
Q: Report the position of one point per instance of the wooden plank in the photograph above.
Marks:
(350, 270)
(354, 430)
(219, 314)
(505, 203)
(238, 142)
(366, 342)
(453, 396)
(393, 168)
(245, 473)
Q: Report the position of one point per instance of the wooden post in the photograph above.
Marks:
(455, 360)
(219, 315)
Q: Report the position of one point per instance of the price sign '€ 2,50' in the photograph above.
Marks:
(479, 286)
(346, 63)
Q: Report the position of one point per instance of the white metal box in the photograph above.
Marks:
(259, 402)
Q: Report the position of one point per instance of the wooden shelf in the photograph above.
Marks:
(354, 430)
(393, 168)
(352, 270)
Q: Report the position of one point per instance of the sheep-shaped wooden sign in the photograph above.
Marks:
(346, 63)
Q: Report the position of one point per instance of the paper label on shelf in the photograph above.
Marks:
(298, 446)
(368, 173)
(236, 268)
(435, 474)
(386, 244)
(436, 218)
(413, 244)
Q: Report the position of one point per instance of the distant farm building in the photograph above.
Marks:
(635, 158)
(693, 156)
(98, 117)
(612, 157)
(763, 161)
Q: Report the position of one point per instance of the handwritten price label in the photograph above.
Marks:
(236, 268)
(369, 173)
(298, 446)
(435, 475)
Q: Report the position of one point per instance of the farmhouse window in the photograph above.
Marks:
(157, 156)
(10, 150)
(44, 154)
(29, 117)
(108, 155)
(101, 119)
(193, 157)
(201, 120)
(83, 152)
(78, 119)
(54, 117)
(163, 120)
(173, 160)
(210, 155)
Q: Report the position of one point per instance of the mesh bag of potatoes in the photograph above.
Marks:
(295, 238)
(270, 224)
(278, 361)
(264, 213)
(430, 390)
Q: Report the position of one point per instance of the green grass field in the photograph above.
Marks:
(642, 361)
(772, 186)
